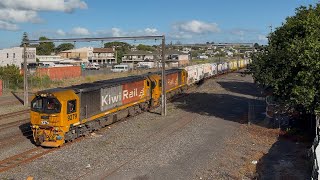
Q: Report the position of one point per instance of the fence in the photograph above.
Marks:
(59, 73)
(315, 152)
(256, 110)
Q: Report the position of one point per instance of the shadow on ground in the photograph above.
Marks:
(224, 106)
(245, 88)
(286, 159)
(18, 98)
(26, 131)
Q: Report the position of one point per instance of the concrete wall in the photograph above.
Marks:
(58, 73)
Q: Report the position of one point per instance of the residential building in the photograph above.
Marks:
(80, 54)
(177, 58)
(186, 50)
(103, 56)
(138, 56)
(15, 56)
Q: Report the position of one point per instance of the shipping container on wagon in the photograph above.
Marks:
(1, 89)
(102, 96)
(219, 68)
(230, 65)
(225, 67)
(214, 68)
(195, 73)
(235, 65)
(207, 70)
(192, 74)
(200, 72)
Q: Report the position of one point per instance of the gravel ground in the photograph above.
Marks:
(204, 136)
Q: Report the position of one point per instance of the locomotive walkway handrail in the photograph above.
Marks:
(162, 37)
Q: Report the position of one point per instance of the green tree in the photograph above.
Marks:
(45, 48)
(290, 64)
(121, 48)
(145, 47)
(64, 47)
(256, 46)
(11, 74)
(24, 38)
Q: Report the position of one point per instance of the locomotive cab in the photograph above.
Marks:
(51, 115)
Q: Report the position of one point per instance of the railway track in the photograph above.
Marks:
(37, 152)
(8, 115)
(15, 123)
(28, 156)
(24, 157)
(9, 102)
(15, 138)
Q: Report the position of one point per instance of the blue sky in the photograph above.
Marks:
(187, 21)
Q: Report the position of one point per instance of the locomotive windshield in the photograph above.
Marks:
(45, 105)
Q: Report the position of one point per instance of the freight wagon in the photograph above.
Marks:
(195, 74)
(214, 68)
(207, 70)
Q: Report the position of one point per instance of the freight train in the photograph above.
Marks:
(63, 114)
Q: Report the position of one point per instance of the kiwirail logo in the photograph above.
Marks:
(125, 94)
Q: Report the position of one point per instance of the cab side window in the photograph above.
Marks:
(71, 106)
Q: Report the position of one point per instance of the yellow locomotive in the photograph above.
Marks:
(64, 114)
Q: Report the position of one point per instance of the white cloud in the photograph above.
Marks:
(8, 26)
(262, 38)
(60, 32)
(151, 31)
(44, 5)
(180, 35)
(79, 31)
(21, 11)
(13, 15)
(195, 26)
(116, 32)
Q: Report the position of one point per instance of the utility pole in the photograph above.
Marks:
(163, 81)
(25, 77)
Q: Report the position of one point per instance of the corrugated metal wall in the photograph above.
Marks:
(60, 72)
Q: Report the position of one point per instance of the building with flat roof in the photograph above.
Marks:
(80, 54)
(15, 56)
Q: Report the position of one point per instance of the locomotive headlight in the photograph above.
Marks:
(58, 137)
(35, 127)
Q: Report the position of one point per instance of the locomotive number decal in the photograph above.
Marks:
(72, 117)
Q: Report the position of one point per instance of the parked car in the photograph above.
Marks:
(93, 66)
(120, 68)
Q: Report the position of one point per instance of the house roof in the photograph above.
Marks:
(103, 50)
